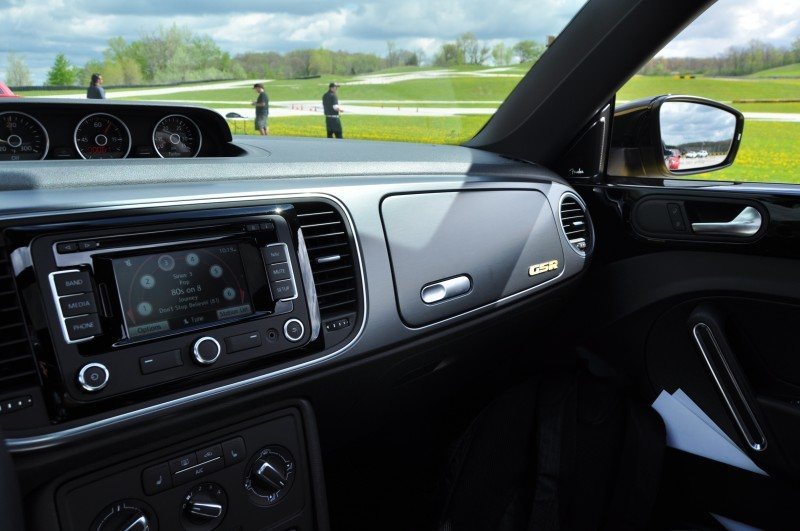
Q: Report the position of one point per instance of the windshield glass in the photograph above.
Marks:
(409, 71)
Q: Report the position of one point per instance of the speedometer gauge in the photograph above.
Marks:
(177, 136)
(22, 137)
(102, 136)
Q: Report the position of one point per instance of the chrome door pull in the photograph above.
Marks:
(745, 224)
(445, 289)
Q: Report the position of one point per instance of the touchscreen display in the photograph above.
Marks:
(172, 290)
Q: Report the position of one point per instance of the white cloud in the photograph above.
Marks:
(734, 23)
(38, 29)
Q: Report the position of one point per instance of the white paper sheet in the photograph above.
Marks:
(692, 430)
(733, 525)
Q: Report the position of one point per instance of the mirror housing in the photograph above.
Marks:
(671, 136)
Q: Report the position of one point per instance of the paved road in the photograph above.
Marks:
(136, 93)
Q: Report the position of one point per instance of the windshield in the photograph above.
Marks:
(408, 71)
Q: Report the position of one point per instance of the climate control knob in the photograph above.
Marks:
(203, 507)
(127, 515)
(270, 475)
(206, 350)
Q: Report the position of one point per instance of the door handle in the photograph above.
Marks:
(743, 225)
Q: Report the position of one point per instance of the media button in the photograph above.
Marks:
(160, 362)
(275, 253)
(279, 271)
(283, 289)
(66, 247)
(243, 341)
(72, 282)
(78, 304)
(82, 327)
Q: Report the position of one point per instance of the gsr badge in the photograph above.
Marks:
(537, 269)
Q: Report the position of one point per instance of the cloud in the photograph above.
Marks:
(39, 29)
(734, 23)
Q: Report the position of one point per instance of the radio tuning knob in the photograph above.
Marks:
(206, 350)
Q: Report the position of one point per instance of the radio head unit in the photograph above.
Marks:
(144, 303)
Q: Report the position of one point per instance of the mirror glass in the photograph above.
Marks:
(695, 136)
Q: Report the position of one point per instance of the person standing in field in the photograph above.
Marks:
(95, 90)
(262, 109)
(332, 110)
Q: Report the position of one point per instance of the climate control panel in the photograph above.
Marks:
(259, 476)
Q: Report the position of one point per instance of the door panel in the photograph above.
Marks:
(660, 294)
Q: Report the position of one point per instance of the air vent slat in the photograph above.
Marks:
(17, 367)
(575, 223)
(327, 240)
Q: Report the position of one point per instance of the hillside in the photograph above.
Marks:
(792, 70)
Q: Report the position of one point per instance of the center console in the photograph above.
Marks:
(261, 474)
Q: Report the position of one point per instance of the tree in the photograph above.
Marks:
(528, 51)
(392, 58)
(62, 73)
(499, 54)
(17, 72)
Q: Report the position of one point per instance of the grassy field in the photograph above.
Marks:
(781, 71)
(723, 89)
(425, 129)
(769, 150)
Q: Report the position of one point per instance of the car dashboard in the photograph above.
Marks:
(174, 326)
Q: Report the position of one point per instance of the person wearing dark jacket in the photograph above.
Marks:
(332, 110)
(95, 90)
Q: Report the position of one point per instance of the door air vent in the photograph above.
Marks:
(576, 223)
(331, 256)
(17, 368)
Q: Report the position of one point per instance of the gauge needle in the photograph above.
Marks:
(107, 128)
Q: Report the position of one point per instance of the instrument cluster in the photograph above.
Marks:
(40, 130)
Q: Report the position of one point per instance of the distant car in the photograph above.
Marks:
(702, 153)
(691, 154)
(5, 92)
(673, 158)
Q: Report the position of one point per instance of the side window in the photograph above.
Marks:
(745, 54)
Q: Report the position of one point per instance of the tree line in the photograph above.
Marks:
(175, 54)
(468, 50)
(735, 61)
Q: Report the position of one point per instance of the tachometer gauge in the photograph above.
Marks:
(102, 136)
(177, 136)
(22, 137)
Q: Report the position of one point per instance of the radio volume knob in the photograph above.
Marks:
(93, 377)
(206, 350)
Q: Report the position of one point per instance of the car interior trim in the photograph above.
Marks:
(758, 441)
(38, 442)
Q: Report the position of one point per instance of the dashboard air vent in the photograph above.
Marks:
(332, 258)
(17, 367)
(576, 223)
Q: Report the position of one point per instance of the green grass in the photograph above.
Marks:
(723, 89)
(428, 130)
(769, 152)
(447, 89)
(768, 107)
(792, 70)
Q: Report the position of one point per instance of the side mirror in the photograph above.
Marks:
(670, 136)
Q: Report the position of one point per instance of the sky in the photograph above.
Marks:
(39, 29)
